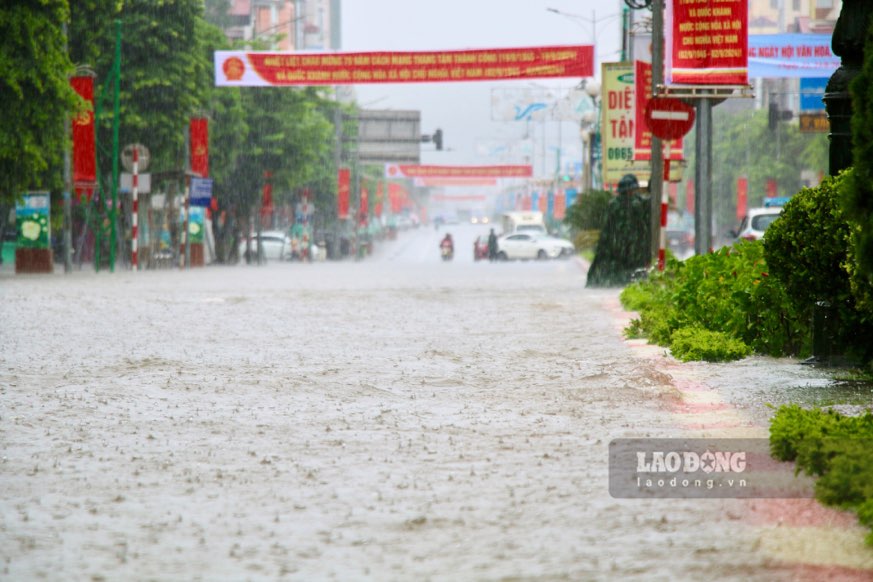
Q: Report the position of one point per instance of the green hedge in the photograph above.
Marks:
(809, 251)
(730, 293)
(833, 447)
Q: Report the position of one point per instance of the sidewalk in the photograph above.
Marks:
(812, 541)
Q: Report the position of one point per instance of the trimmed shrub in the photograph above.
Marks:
(807, 249)
(728, 291)
(833, 447)
(694, 343)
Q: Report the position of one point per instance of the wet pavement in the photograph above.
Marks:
(397, 418)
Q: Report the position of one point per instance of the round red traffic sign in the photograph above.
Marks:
(669, 118)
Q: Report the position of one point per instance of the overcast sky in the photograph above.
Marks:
(463, 110)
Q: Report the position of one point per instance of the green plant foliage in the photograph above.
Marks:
(728, 291)
(36, 96)
(586, 239)
(694, 343)
(859, 198)
(743, 145)
(588, 212)
(834, 447)
(807, 249)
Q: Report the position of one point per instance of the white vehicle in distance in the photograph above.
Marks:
(530, 245)
(275, 245)
(523, 221)
(756, 222)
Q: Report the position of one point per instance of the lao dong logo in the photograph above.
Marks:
(691, 462)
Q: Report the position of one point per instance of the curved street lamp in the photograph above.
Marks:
(592, 25)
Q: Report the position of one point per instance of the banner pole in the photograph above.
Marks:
(116, 111)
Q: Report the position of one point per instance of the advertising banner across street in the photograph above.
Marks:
(506, 171)
(259, 69)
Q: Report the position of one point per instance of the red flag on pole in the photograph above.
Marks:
(199, 135)
(343, 190)
(742, 197)
(377, 208)
(84, 152)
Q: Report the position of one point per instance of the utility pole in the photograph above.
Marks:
(656, 179)
(68, 186)
(703, 177)
(116, 123)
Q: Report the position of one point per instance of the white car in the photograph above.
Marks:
(521, 245)
(275, 245)
(756, 222)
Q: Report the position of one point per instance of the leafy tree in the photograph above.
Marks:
(859, 196)
(743, 145)
(589, 211)
(36, 95)
(289, 137)
(161, 67)
(217, 13)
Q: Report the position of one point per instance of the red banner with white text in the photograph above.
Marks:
(260, 69)
(84, 151)
(707, 42)
(506, 171)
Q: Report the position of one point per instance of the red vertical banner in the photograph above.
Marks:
(377, 206)
(198, 132)
(344, 182)
(267, 199)
(84, 151)
(560, 206)
(772, 188)
(742, 197)
(364, 210)
(642, 133)
(543, 202)
(689, 196)
(673, 191)
(527, 202)
(642, 95)
(397, 196)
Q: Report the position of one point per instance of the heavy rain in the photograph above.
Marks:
(394, 418)
(242, 347)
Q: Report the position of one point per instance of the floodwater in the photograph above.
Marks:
(397, 418)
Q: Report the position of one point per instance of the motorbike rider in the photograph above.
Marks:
(448, 244)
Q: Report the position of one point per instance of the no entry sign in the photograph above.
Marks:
(668, 118)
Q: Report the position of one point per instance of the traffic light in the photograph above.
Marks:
(775, 115)
(438, 139)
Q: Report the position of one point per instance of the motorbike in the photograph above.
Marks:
(447, 252)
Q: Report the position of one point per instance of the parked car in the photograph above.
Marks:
(680, 233)
(522, 245)
(756, 222)
(276, 245)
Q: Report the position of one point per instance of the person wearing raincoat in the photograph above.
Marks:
(623, 246)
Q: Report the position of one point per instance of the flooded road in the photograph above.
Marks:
(398, 418)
